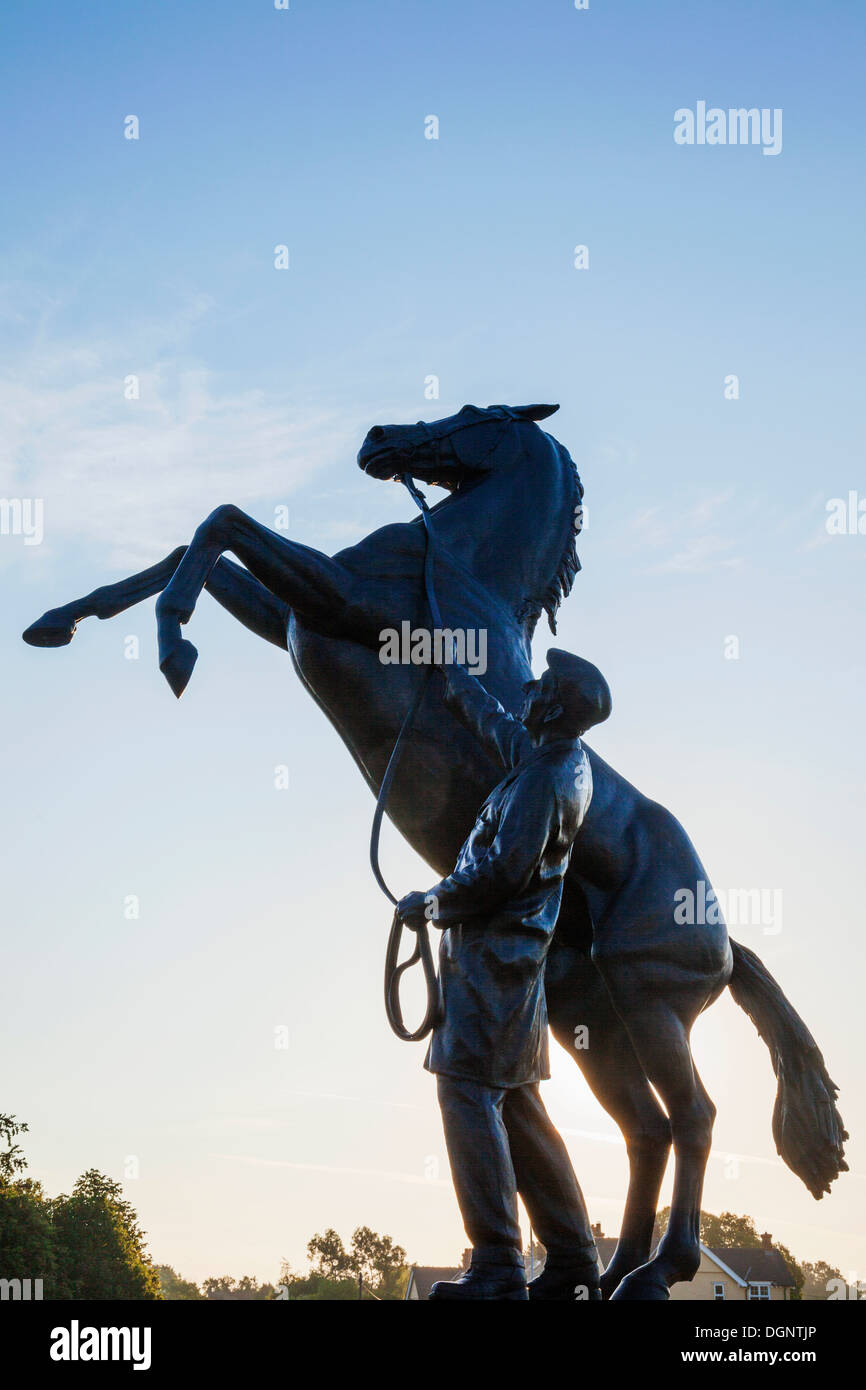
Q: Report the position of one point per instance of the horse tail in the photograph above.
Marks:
(807, 1127)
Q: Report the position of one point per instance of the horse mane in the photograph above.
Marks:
(560, 585)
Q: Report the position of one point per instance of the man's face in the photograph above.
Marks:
(539, 699)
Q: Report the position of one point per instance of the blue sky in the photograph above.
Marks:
(409, 257)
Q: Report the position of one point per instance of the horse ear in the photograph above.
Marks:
(533, 412)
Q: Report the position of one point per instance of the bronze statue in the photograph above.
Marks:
(619, 963)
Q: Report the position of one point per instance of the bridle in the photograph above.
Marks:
(406, 452)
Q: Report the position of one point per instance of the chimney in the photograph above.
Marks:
(467, 1256)
(597, 1232)
(766, 1240)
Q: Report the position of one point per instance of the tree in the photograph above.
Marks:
(328, 1255)
(725, 1232)
(12, 1159)
(225, 1289)
(174, 1288)
(374, 1258)
(100, 1246)
(335, 1271)
(729, 1231)
(309, 1288)
(795, 1267)
(26, 1234)
(817, 1278)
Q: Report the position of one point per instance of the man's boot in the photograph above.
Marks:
(492, 1274)
(568, 1278)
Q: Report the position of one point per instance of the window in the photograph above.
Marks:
(718, 1291)
(759, 1291)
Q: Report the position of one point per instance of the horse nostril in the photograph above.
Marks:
(376, 433)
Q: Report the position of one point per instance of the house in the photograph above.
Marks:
(423, 1277)
(734, 1275)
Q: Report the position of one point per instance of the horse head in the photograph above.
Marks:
(515, 505)
(443, 452)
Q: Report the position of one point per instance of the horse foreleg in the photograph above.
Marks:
(241, 594)
(234, 588)
(322, 593)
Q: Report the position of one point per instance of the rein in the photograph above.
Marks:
(422, 951)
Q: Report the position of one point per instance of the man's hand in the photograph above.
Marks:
(413, 910)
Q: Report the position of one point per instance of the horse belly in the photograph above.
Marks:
(442, 777)
(655, 921)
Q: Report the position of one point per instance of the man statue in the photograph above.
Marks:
(497, 911)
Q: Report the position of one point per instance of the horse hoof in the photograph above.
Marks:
(644, 1285)
(51, 630)
(609, 1286)
(177, 667)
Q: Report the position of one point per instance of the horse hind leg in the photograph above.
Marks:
(661, 1040)
(56, 628)
(577, 996)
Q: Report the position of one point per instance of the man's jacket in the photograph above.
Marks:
(499, 906)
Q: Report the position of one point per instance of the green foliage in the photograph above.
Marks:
(174, 1288)
(725, 1232)
(317, 1287)
(88, 1245)
(12, 1159)
(100, 1245)
(395, 1284)
(374, 1260)
(328, 1256)
(27, 1236)
(796, 1269)
(816, 1278)
(728, 1231)
(225, 1289)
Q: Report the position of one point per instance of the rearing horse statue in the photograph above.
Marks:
(620, 963)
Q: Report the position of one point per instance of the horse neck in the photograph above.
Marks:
(513, 527)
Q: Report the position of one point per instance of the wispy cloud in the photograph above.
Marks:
(389, 1175)
(280, 1122)
(699, 554)
(695, 535)
(133, 475)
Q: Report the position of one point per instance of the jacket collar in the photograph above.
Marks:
(557, 747)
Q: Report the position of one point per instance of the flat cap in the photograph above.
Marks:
(582, 688)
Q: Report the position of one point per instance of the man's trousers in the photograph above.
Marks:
(501, 1142)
